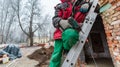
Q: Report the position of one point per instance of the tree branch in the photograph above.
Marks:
(20, 21)
(36, 29)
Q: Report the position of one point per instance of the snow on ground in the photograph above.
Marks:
(24, 61)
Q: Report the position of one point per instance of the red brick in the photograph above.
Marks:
(118, 17)
(108, 31)
(108, 34)
(116, 14)
(103, 2)
(118, 45)
(110, 38)
(104, 22)
(106, 18)
(115, 42)
(100, 2)
(115, 22)
(118, 4)
(116, 26)
(114, 18)
(116, 30)
(110, 27)
(113, 34)
(112, 8)
(117, 9)
(118, 33)
(110, 45)
(107, 25)
(110, 42)
(110, 1)
(112, 12)
(109, 20)
(119, 41)
(106, 28)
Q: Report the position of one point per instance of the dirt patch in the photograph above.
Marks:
(42, 55)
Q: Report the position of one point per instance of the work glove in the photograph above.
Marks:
(75, 25)
(70, 23)
(64, 24)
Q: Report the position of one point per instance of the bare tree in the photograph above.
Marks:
(4, 14)
(6, 18)
(19, 18)
(33, 11)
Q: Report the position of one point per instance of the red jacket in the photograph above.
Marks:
(64, 11)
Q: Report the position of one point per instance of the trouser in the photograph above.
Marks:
(69, 38)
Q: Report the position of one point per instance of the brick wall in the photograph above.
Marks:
(111, 21)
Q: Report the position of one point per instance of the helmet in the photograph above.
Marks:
(84, 7)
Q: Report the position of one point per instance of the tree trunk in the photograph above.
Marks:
(2, 39)
(31, 41)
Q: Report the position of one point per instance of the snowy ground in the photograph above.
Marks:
(26, 62)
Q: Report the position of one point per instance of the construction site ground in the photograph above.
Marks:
(26, 62)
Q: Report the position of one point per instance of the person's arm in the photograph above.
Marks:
(58, 14)
(56, 19)
(60, 23)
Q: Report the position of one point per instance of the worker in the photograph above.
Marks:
(65, 35)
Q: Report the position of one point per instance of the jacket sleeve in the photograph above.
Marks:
(59, 13)
(56, 19)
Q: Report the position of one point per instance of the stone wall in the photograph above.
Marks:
(111, 21)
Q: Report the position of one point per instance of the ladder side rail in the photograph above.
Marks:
(79, 47)
(76, 49)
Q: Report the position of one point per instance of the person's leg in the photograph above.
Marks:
(69, 37)
(55, 60)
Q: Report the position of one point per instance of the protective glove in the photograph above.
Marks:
(64, 24)
(75, 25)
(70, 23)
